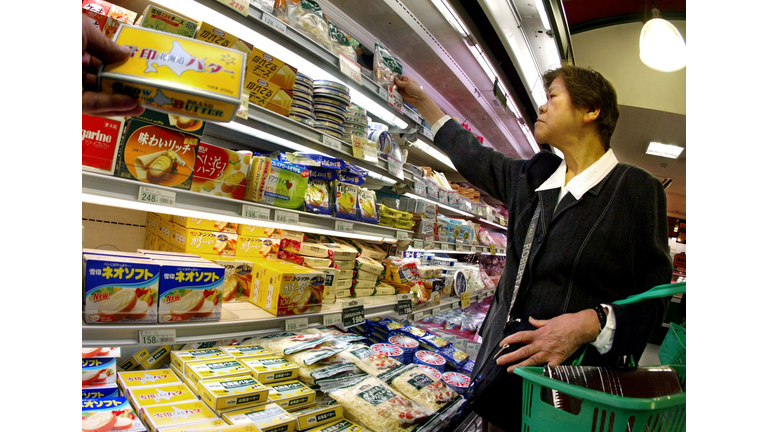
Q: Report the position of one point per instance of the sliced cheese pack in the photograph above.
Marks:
(234, 392)
(291, 395)
(271, 369)
(267, 418)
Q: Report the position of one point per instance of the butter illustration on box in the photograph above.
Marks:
(189, 291)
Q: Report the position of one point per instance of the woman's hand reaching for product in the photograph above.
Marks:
(553, 341)
(415, 96)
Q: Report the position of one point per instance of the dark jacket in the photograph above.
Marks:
(605, 247)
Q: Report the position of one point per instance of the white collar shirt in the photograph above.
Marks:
(583, 182)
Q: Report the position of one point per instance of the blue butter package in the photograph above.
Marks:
(98, 371)
(99, 391)
(115, 413)
(190, 291)
(120, 289)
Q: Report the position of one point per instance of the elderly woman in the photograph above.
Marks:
(585, 231)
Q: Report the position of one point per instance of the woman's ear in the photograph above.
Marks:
(591, 115)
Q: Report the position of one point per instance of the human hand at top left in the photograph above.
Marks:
(553, 341)
(98, 50)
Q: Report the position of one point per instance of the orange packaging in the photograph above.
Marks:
(108, 9)
(221, 172)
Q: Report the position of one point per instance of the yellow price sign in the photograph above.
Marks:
(464, 299)
(493, 249)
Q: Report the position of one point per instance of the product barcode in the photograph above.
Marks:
(166, 200)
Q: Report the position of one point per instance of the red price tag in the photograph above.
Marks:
(240, 6)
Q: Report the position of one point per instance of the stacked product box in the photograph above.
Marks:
(284, 288)
(325, 256)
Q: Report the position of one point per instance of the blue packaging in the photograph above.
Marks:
(190, 291)
(120, 289)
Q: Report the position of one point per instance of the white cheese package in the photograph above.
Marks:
(421, 387)
(369, 361)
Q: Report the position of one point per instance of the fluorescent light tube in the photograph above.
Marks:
(426, 148)
(452, 17)
(271, 138)
(664, 150)
(542, 14)
(439, 204)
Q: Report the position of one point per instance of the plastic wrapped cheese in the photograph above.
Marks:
(421, 387)
(369, 361)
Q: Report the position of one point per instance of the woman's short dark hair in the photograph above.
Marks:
(590, 90)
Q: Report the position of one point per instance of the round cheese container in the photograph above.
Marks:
(331, 94)
(333, 109)
(389, 350)
(302, 119)
(429, 370)
(305, 80)
(457, 382)
(303, 92)
(407, 344)
(382, 139)
(330, 132)
(378, 126)
(332, 84)
(356, 124)
(429, 358)
(329, 117)
(301, 111)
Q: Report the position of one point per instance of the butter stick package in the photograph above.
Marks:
(189, 291)
(177, 75)
(174, 414)
(218, 368)
(233, 392)
(179, 359)
(267, 418)
(159, 395)
(167, 21)
(140, 379)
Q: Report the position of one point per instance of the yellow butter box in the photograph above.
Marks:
(167, 21)
(205, 224)
(134, 360)
(164, 229)
(291, 395)
(177, 75)
(150, 240)
(323, 413)
(246, 351)
(234, 392)
(217, 368)
(175, 414)
(273, 369)
(207, 32)
(203, 242)
(128, 381)
(342, 425)
(192, 386)
(180, 358)
(158, 359)
(159, 395)
(267, 418)
(256, 247)
(153, 220)
(202, 426)
(289, 289)
(230, 428)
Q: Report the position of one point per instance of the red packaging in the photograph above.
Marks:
(220, 171)
(101, 140)
(109, 10)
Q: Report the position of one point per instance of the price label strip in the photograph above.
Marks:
(404, 304)
(352, 313)
(493, 249)
(445, 246)
(394, 99)
(459, 246)
(286, 217)
(350, 69)
(465, 299)
(157, 196)
(383, 93)
(296, 324)
(241, 6)
(332, 143)
(346, 227)
(252, 212)
(157, 337)
(331, 319)
(364, 149)
(426, 132)
(402, 235)
(273, 22)
(418, 244)
(395, 168)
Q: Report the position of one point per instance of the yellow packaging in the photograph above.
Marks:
(318, 415)
(235, 392)
(134, 360)
(167, 21)
(160, 395)
(149, 239)
(153, 220)
(342, 425)
(177, 75)
(218, 368)
(256, 247)
(205, 224)
(128, 381)
(159, 358)
(164, 229)
(238, 277)
(179, 359)
(175, 414)
(203, 242)
(231, 428)
(267, 67)
(215, 35)
(273, 369)
(277, 233)
(185, 379)
(291, 290)
(268, 95)
(291, 395)
(267, 418)
(202, 426)
(246, 351)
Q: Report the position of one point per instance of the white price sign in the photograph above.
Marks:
(445, 246)
(473, 249)
(157, 337)
(402, 235)
(418, 315)
(240, 6)
(286, 217)
(412, 115)
(459, 246)
(344, 226)
(455, 305)
(273, 22)
(418, 244)
(296, 324)
(252, 212)
(332, 143)
(395, 168)
(350, 69)
(383, 93)
(394, 99)
(157, 196)
(331, 319)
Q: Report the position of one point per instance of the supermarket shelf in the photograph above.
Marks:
(297, 42)
(124, 193)
(446, 247)
(490, 224)
(241, 320)
(447, 303)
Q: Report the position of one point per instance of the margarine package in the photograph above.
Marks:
(291, 395)
(233, 392)
(189, 291)
(179, 359)
(141, 379)
(174, 414)
(160, 395)
(221, 172)
(271, 369)
(268, 418)
(218, 368)
(202, 242)
(120, 289)
(107, 414)
(177, 75)
(157, 155)
(99, 391)
(101, 142)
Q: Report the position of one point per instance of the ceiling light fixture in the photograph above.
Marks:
(662, 47)
(542, 14)
(664, 150)
(426, 148)
(451, 17)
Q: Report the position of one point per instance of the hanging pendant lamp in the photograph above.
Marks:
(662, 47)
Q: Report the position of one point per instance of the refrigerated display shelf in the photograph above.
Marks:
(241, 320)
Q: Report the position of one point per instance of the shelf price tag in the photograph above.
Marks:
(412, 115)
(344, 226)
(455, 305)
(253, 212)
(242, 110)
(157, 196)
(394, 99)
(493, 249)
(364, 149)
(465, 299)
(240, 6)
(402, 235)
(331, 319)
(395, 168)
(418, 315)
(459, 245)
(426, 132)
(286, 217)
(383, 93)
(332, 143)
(157, 337)
(473, 249)
(404, 304)
(429, 243)
(350, 68)
(418, 244)
(273, 22)
(296, 324)
(445, 246)
(352, 313)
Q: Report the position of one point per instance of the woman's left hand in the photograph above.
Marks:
(553, 341)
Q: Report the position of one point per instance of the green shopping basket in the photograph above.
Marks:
(672, 349)
(602, 412)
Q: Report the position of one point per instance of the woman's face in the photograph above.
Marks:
(558, 120)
